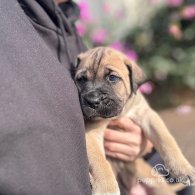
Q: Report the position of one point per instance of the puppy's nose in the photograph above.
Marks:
(92, 99)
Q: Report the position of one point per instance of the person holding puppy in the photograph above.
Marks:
(41, 125)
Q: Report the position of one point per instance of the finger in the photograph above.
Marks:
(118, 148)
(147, 148)
(121, 122)
(125, 124)
(122, 149)
(122, 137)
(120, 156)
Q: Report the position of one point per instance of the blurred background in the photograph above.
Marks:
(160, 36)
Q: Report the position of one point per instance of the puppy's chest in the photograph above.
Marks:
(137, 109)
(135, 114)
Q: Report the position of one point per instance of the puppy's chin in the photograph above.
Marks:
(104, 113)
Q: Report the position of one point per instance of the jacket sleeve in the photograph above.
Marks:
(42, 146)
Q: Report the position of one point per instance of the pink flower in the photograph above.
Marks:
(174, 2)
(99, 36)
(120, 14)
(175, 31)
(118, 46)
(146, 88)
(189, 12)
(106, 7)
(131, 54)
(81, 29)
(84, 12)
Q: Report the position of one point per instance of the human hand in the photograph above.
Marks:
(125, 145)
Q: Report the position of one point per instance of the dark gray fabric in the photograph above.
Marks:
(42, 147)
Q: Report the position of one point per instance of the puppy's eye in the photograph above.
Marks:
(82, 79)
(113, 78)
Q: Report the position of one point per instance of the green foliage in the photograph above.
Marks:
(166, 47)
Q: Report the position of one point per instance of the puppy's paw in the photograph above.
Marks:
(105, 188)
(184, 173)
(101, 191)
(107, 193)
(189, 177)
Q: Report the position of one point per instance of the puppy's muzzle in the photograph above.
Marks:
(95, 99)
(96, 103)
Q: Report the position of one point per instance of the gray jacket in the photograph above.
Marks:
(42, 146)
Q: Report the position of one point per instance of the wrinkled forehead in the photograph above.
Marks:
(103, 61)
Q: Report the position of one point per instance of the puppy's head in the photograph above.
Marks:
(105, 79)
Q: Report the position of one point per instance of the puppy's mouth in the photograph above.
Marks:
(101, 109)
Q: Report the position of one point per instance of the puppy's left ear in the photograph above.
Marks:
(81, 57)
(78, 59)
(136, 75)
(76, 64)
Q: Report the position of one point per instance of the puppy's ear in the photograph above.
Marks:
(136, 75)
(83, 56)
(78, 60)
(76, 64)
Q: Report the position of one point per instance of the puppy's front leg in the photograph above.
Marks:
(166, 145)
(157, 182)
(102, 177)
